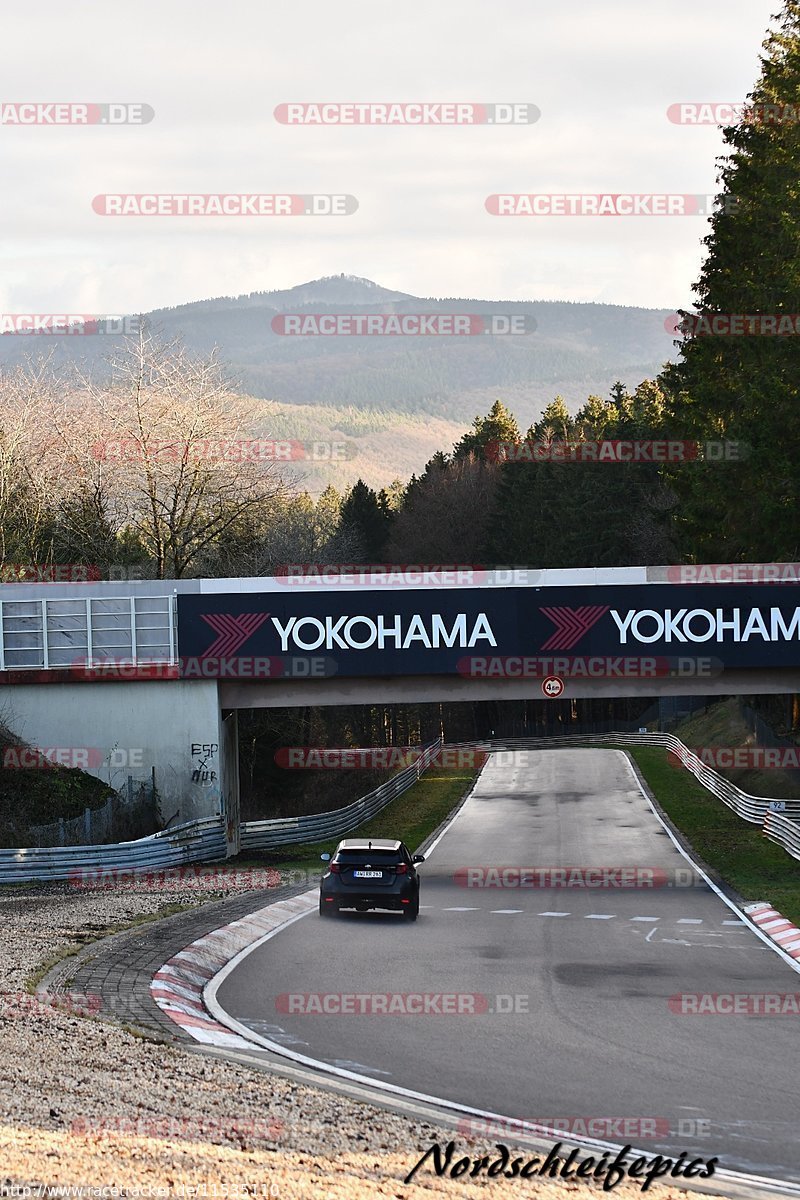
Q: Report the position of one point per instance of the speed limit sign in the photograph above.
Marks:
(552, 687)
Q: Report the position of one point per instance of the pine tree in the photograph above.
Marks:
(367, 517)
(499, 426)
(555, 422)
(746, 389)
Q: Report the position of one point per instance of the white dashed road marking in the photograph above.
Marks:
(664, 922)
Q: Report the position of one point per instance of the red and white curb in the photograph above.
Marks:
(177, 987)
(776, 927)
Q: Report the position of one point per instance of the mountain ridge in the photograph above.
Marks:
(571, 348)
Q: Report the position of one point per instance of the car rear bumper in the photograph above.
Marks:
(388, 898)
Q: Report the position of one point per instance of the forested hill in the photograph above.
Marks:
(573, 349)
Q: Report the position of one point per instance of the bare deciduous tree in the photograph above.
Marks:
(25, 491)
(162, 447)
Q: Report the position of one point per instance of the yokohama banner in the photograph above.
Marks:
(465, 630)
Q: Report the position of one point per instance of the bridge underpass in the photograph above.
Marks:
(149, 675)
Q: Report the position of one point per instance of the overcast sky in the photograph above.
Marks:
(603, 73)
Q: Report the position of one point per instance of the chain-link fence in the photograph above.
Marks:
(126, 815)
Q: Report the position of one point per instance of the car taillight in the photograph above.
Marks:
(401, 869)
(335, 868)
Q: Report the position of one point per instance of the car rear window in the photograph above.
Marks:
(360, 856)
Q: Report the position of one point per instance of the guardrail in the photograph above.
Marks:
(204, 840)
(320, 827)
(784, 831)
(195, 841)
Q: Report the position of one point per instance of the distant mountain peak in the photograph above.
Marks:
(350, 279)
(337, 289)
(329, 289)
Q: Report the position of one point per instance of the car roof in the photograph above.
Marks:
(366, 844)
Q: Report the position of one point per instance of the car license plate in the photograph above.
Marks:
(368, 874)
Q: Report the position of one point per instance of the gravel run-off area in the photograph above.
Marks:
(91, 1104)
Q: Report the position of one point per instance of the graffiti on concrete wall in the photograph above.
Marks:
(205, 770)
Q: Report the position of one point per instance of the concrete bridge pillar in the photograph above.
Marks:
(116, 729)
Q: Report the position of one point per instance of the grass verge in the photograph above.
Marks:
(722, 726)
(412, 817)
(755, 867)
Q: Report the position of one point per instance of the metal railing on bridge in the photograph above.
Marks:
(86, 631)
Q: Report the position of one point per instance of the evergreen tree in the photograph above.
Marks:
(551, 514)
(555, 423)
(498, 426)
(746, 388)
(368, 517)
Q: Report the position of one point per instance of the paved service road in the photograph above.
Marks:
(595, 969)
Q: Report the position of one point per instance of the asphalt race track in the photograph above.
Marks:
(595, 969)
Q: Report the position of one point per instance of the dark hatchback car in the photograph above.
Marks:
(367, 874)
